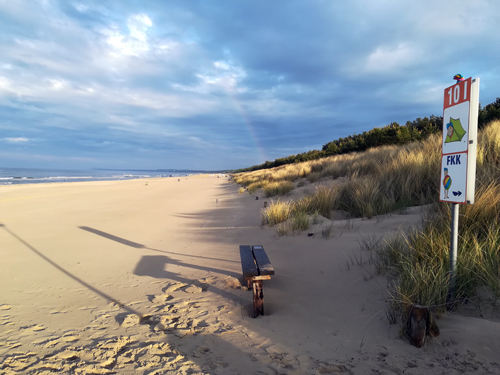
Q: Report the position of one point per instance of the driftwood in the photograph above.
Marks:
(419, 325)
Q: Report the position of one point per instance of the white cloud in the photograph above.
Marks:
(153, 71)
(138, 25)
(222, 75)
(4, 83)
(58, 84)
(16, 140)
(136, 42)
(81, 8)
(389, 59)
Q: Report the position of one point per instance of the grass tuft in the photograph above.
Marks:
(327, 231)
(277, 212)
(300, 221)
(283, 229)
(277, 188)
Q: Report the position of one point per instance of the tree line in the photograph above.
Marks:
(392, 134)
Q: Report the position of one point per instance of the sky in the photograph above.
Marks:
(226, 84)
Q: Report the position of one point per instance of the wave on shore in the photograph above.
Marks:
(14, 176)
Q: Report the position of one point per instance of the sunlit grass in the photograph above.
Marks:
(277, 212)
(419, 261)
(322, 201)
(277, 188)
(391, 178)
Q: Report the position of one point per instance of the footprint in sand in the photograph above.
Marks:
(68, 355)
(161, 298)
(232, 283)
(201, 350)
(37, 328)
(44, 340)
(19, 362)
(115, 305)
(193, 289)
(172, 287)
(5, 307)
(51, 344)
(130, 320)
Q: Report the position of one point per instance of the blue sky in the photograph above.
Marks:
(226, 84)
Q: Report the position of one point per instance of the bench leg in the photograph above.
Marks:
(258, 298)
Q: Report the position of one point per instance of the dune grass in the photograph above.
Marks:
(322, 201)
(372, 183)
(300, 221)
(391, 178)
(418, 262)
(277, 212)
(270, 186)
(277, 188)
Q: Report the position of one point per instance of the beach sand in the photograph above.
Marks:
(121, 277)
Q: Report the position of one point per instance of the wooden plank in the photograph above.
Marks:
(258, 299)
(251, 279)
(248, 262)
(263, 263)
(261, 277)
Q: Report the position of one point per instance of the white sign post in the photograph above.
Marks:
(458, 156)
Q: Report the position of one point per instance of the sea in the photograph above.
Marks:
(14, 176)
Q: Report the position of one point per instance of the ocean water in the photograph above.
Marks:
(12, 176)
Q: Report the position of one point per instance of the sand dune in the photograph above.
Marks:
(124, 277)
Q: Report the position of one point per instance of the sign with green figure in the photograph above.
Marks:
(458, 160)
(454, 131)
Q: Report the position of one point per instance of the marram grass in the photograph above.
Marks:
(277, 212)
(391, 178)
(277, 188)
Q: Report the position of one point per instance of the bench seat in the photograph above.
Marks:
(256, 267)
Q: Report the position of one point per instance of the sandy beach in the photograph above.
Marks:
(124, 277)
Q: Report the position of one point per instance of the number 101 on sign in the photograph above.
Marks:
(457, 94)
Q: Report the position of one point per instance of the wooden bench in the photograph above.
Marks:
(256, 267)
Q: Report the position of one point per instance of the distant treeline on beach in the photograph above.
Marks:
(392, 134)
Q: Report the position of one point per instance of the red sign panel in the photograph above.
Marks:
(458, 93)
